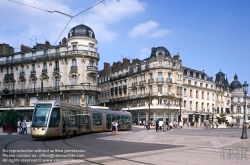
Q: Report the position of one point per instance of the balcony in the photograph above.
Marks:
(169, 80)
(92, 68)
(142, 83)
(150, 80)
(10, 75)
(32, 72)
(44, 71)
(22, 74)
(56, 69)
(160, 80)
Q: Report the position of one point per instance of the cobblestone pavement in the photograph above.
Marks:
(175, 147)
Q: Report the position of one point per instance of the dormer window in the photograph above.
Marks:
(74, 47)
(90, 33)
(70, 33)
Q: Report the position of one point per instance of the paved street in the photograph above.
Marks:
(177, 146)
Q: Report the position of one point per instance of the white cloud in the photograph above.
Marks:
(148, 29)
(21, 23)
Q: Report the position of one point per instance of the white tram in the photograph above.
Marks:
(56, 118)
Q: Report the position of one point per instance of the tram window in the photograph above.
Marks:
(54, 117)
(71, 118)
(41, 115)
(97, 118)
(122, 120)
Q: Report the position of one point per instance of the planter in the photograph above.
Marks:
(9, 129)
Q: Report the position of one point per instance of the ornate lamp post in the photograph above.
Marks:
(238, 119)
(244, 132)
(149, 102)
(214, 110)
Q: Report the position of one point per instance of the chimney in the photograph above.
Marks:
(152, 49)
(24, 48)
(134, 61)
(126, 62)
(106, 68)
(64, 41)
(177, 57)
(47, 44)
(119, 65)
(114, 66)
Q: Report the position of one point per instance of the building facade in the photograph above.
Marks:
(66, 72)
(149, 88)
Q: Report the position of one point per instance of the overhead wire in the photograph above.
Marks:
(60, 13)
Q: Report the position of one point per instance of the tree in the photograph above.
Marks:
(10, 117)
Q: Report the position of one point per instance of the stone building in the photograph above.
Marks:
(149, 88)
(238, 102)
(66, 72)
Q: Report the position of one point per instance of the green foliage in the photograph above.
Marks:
(10, 117)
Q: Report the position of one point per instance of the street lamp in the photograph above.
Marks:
(238, 119)
(244, 132)
(213, 118)
(149, 102)
(168, 115)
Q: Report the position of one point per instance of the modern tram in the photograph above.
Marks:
(56, 118)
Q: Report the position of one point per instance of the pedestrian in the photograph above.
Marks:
(156, 125)
(146, 124)
(189, 125)
(20, 127)
(113, 127)
(160, 125)
(180, 124)
(116, 128)
(24, 127)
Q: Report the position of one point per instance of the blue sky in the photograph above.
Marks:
(210, 35)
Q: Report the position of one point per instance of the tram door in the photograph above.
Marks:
(108, 121)
(64, 121)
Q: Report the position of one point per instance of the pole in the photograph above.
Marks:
(149, 110)
(42, 89)
(244, 131)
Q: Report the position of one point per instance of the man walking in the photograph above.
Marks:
(156, 125)
(24, 127)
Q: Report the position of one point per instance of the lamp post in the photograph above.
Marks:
(149, 102)
(168, 115)
(180, 111)
(238, 118)
(244, 132)
(213, 118)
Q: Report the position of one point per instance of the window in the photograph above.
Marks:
(150, 76)
(22, 57)
(45, 53)
(57, 51)
(34, 55)
(22, 86)
(169, 89)
(159, 89)
(54, 118)
(44, 67)
(74, 80)
(197, 94)
(33, 67)
(196, 106)
(160, 76)
(159, 101)
(74, 99)
(74, 62)
(191, 93)
(189, 82)
(74, 47)
(91, 63)
(33, 85)
(202, 95)
(201, 84)
(160, 63)
(185, 92)
(97, 119)
(56, 83)
(56, 65)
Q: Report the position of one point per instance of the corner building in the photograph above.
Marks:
(147, 88)
(66, 72)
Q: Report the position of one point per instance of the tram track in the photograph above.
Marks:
(5, 148)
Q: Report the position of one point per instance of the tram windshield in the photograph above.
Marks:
(41, 115)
